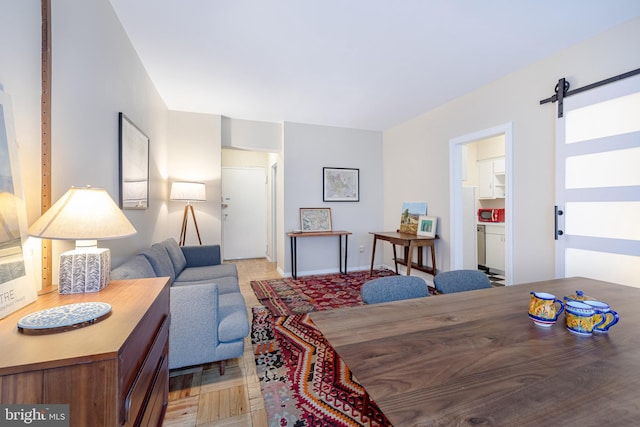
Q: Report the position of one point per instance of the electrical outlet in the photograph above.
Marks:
(361, 248)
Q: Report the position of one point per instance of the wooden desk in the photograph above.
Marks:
(112, 373)
(409, 242)
(294, 247)
(475, 358)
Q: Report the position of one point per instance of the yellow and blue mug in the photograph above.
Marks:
(603, 310)
(581, 318)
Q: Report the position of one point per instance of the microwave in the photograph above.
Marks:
(491, 215)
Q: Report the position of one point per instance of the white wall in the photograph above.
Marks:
(251, 135)
(20, 49)
(96, 74)
(416, 153)
(195, 155)
(309, 148)
(244, 159)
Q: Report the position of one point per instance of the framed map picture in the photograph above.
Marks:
(315, 219)
(340, 185)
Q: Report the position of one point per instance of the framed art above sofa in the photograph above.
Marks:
(134, 165)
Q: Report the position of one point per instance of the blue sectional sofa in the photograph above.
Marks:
(209, 319)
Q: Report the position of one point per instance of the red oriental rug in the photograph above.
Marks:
(286, 296)
(303, 380)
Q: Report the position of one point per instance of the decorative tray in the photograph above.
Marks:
(64, 318)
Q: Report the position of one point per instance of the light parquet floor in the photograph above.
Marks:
(200, 396)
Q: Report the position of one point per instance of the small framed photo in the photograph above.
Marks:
(340, 185)
(427, 226)
(315, 219)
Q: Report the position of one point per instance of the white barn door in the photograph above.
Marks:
(598, 184)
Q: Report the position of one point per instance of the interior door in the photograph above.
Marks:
(598, 184)
(244, 214)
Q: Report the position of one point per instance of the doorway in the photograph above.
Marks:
(244, 223)
(272, 252)
(463, 232)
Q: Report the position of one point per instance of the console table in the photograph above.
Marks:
(409, 242)
(294, 247)
(111, 373)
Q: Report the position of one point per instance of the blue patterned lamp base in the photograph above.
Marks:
(64, 318)
(84, 270)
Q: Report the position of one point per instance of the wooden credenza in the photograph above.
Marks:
(112, 373)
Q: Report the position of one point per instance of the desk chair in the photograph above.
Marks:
(460, 280)
(393, 288)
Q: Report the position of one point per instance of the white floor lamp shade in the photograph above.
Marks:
(188, 192)
(84, 215)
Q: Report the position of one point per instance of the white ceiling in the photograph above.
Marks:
(366, 64)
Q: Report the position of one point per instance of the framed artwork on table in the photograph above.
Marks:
(427, 226)
(315, 219)
(411, 212)
(340, 185)
(134, 165)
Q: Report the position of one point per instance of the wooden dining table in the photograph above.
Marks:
(475, 358)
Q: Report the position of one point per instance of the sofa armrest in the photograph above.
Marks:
(193, 334)
(201, 256)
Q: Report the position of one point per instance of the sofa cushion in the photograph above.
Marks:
(233, 322)
(209, 272)
(198, 256)
(225, 284)
(175, 253)
(137, 267)
(159, 259)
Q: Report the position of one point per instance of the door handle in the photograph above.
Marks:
(558, 232)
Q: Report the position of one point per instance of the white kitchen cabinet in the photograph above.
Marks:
(491, 178)
(494, 241)
(485, 179)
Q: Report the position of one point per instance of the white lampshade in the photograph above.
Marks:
(84, 215)
(188, 191)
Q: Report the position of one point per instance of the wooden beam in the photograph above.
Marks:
(45, 190)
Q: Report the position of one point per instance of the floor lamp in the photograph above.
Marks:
(188, 192)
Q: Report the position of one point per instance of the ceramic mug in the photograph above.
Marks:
(603, 310)
(542, 308)
(581, 318)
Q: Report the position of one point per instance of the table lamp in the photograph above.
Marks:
(84, 215)
(188, 192)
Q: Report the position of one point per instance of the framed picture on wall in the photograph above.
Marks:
(17, 281)
(427, 226)
(134, 165)
(315, 219)
(340, 185)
